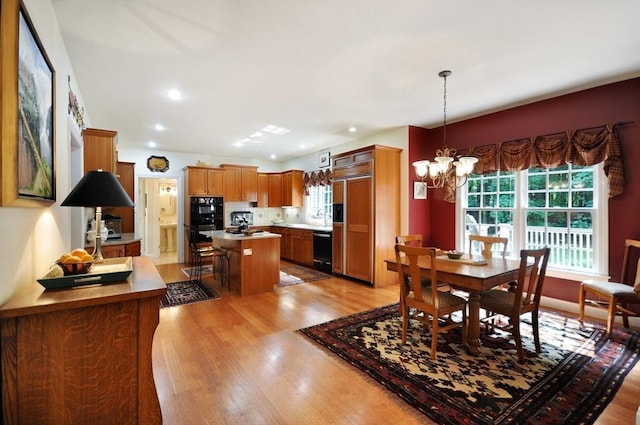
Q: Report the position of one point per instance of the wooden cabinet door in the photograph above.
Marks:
(263, 190)
(337, 253)
(275, 190)
(306, 248)
(232, 184)
(132, 249)
(99, 149)
(125, 172)
(113, 251)
(249, 184)
(292, 188)
(338, 191)
(215, 182)
(197, 181)
(359, 230)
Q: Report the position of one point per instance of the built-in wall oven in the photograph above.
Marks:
(207, 213)
(322, 250)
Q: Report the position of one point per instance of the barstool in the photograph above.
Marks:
(220, 262)
(198, 254)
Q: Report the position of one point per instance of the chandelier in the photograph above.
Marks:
(446, 168)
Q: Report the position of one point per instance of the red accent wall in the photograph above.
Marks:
(610, 103)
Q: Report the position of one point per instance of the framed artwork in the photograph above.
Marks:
(419, 190)
(27, 126)
(324, 160)
(158, 164)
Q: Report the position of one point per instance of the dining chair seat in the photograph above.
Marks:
(615, 296)
(446, 299)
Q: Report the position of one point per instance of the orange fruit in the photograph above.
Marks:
(87, 258)
(79, 252)
(63, 257)
(72, 259)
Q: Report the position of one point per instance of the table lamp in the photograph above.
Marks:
(98, 189)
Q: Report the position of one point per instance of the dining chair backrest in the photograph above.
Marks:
(486, 244)
(529, 284)
(411, 240)
(413, 255)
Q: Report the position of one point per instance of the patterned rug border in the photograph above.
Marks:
(303, 273)
(569, 407)
(195, 292)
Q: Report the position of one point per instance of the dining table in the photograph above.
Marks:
(471, 274)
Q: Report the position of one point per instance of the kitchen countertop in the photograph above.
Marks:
(304, 226)
(221, 234)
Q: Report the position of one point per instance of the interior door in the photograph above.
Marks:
(359, 228)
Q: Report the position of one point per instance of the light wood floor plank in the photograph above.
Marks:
(239, 361)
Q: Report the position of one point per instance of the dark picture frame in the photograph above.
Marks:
(27, 111)
(419, 190)
(324, 160)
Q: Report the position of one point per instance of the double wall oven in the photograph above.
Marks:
(207, 213)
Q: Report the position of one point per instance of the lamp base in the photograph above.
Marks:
(97, 250)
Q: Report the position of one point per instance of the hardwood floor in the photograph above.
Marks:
(238, 361)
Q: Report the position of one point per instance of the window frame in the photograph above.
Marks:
(600, 225)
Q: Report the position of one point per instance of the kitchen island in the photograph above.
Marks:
(254, 260)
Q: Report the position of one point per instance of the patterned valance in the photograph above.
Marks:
(316, 178)
(581, 147)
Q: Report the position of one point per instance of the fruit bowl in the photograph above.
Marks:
(454, 255)
(75, 268)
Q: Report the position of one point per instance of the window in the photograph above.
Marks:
(564, 208)
(319, 204)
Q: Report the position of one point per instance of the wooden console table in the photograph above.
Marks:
(83, 355)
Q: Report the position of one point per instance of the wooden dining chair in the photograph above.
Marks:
(427, 304)
(612, 296)
(486, 244)
(524, 299)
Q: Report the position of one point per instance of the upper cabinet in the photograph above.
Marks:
(204, 181)
(241, 183)
(100, 149)
(263, 190)
(292, 190)
(275, 189)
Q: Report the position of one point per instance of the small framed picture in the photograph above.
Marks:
(324, 160)
(419, 190)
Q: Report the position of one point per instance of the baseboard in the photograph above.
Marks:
(589, 311)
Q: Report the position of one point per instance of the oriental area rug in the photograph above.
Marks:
(292, 274)
(570, 382)
(187, 292)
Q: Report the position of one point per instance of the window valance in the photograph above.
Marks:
(582, 147)
(316, 178)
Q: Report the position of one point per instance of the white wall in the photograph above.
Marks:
(33, 238)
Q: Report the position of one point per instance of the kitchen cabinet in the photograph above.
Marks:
(114, 248)
(99, 149)
(241, 183)
(368, 181)
(263, 190)
(292, 190)
(204, 181)
(275, 189)
(125, 171)
(82, 356)
(296, 245)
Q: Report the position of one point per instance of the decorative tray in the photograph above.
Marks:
(110, 270)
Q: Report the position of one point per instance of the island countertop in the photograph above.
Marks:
(224, 235)
(254, 260)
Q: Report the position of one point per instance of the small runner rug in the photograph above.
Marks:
(187, 292)
(293, 274)
(570, 382)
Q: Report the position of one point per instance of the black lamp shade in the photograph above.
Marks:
(98, 189)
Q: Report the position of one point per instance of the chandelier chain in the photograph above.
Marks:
(444, 113)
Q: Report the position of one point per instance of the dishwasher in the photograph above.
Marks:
(322, 250)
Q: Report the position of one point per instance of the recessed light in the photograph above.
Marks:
(273, 156)
(159, 127)
(274, 129)
(256, 134)
(152, 144)
(352, 129)
(174, 94)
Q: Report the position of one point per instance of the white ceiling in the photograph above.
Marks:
(319, 67)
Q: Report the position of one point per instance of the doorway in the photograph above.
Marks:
(160, 214)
